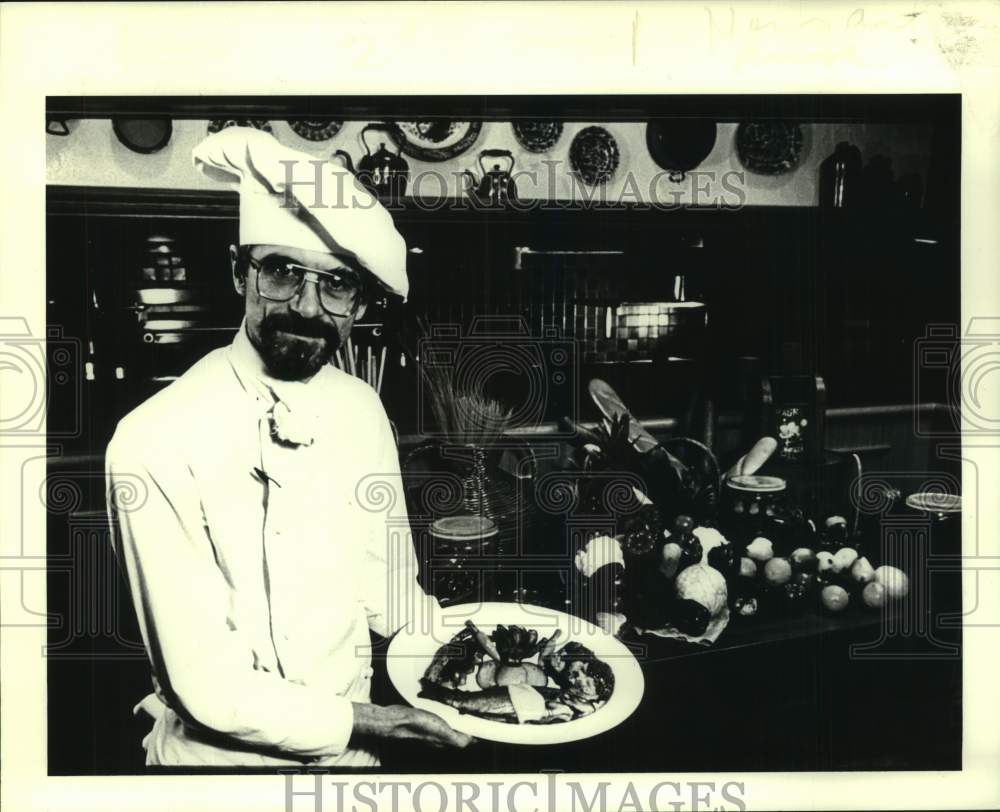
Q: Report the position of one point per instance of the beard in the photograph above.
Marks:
(294, 348)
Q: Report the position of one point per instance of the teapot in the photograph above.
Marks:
(383, 173)
(497, 186)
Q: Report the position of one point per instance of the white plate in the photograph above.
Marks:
(411, 651)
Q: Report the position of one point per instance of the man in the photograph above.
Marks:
(257, 553)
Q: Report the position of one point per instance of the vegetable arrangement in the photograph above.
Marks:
(678, 575)
(667, 482)
(509, 648)
(682, 577)
(829, 571)
(681, 582)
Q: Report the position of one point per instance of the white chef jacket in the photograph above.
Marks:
(256, 568)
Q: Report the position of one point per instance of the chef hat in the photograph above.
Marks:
(325, 208)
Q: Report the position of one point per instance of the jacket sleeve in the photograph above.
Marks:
(204, 667)
(393, 595)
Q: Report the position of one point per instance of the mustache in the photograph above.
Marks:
(291, 323)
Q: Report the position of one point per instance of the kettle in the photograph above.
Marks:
(497, 186)
(383, 173)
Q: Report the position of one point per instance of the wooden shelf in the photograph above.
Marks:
(539, 215)
(811, 107)
(117, 201)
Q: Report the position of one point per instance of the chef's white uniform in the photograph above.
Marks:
(256, 568)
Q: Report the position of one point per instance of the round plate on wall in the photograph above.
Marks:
(143, 135)
(769, 147)
(218, 124)
(436, 140)
(315, 130)
(594, 155)
(537, 136)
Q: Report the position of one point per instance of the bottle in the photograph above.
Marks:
(839, 177)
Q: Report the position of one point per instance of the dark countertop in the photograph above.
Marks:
(803, 690)
(779, 696)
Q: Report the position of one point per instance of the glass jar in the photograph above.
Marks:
(754, 506)
(943, 512)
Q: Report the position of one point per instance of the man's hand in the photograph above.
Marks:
(399, 723)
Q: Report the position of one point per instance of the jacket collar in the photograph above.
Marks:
(256, 380)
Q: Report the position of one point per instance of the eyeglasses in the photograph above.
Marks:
(280, 280)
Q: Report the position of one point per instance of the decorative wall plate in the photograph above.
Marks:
(437, 139)
(217, 124)
(143, 135)
(769, 147)
(315, 130)
(594, 155)
(537, 136)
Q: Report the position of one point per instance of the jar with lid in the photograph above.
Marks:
(754, 505)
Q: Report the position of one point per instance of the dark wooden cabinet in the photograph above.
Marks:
(844, 295)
